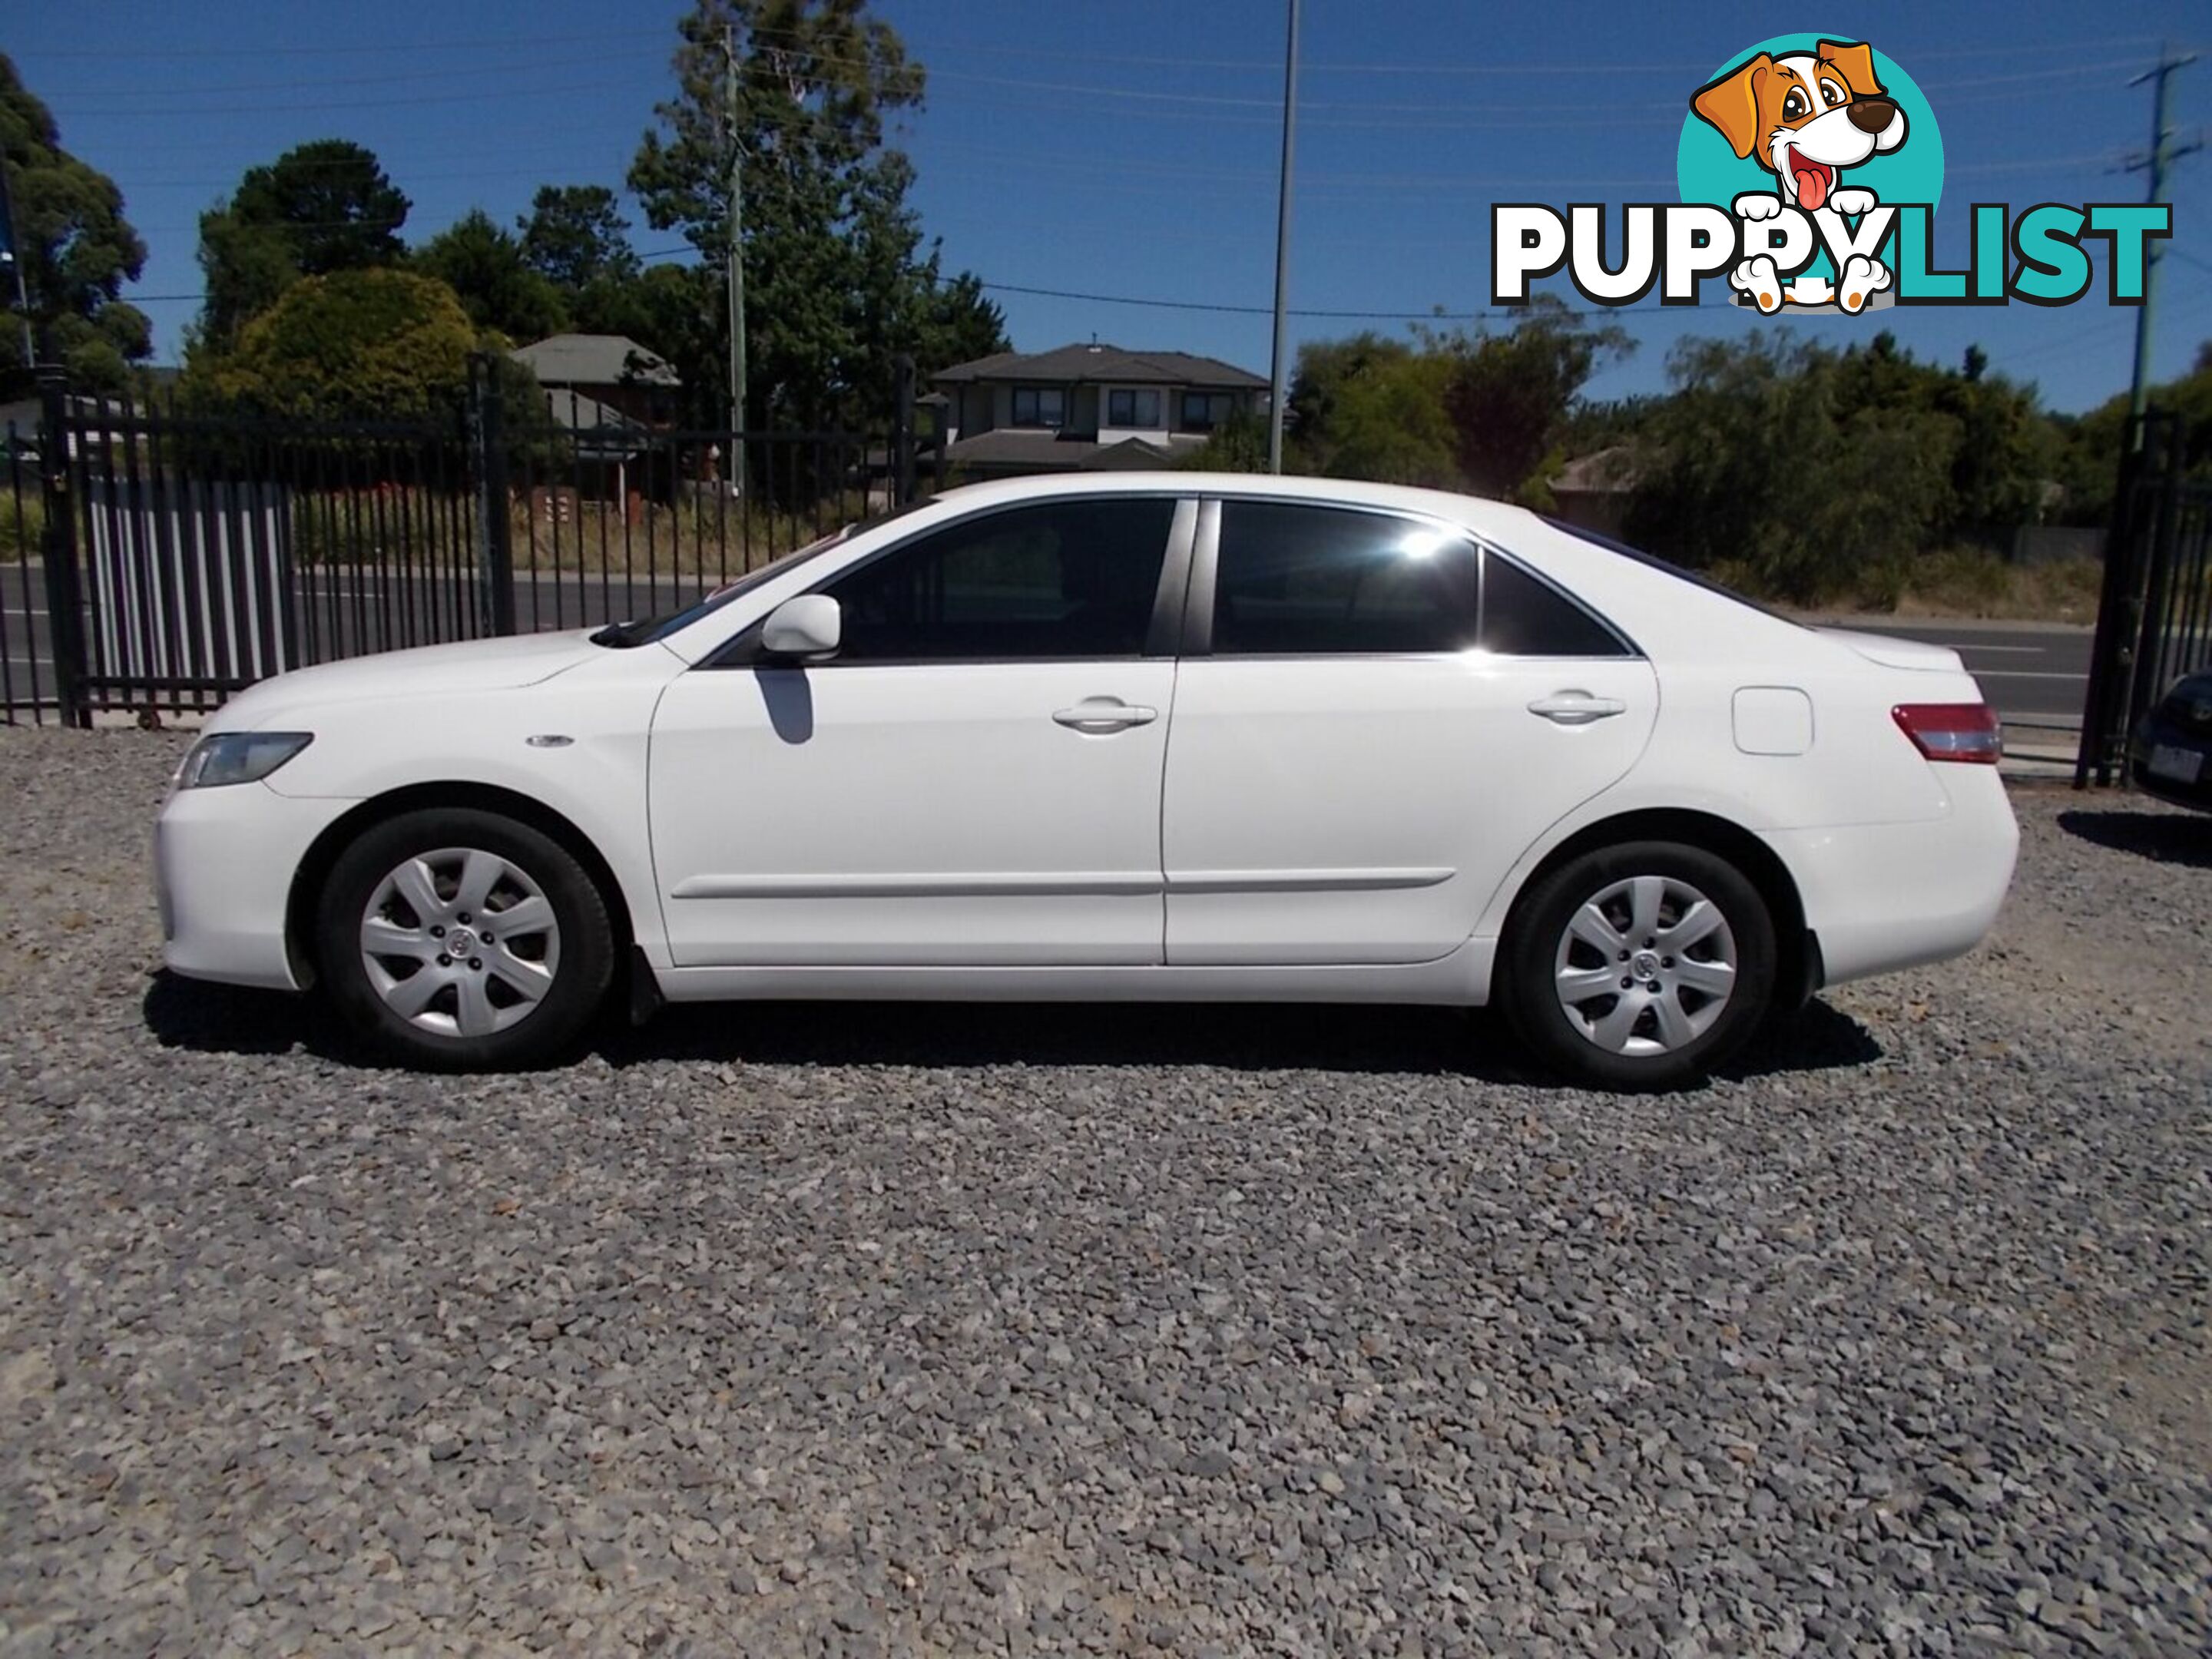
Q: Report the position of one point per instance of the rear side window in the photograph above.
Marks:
(1292, 580)
(1299, 580)
(1523, 618)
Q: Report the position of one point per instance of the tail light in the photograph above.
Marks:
(1952, 731)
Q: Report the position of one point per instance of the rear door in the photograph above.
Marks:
(1375, 718)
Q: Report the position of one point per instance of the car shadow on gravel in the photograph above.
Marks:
(2168, 837)
(1257, 1037)
(226, 1019)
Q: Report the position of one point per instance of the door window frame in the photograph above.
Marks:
(1163, 634)
(1205, 553)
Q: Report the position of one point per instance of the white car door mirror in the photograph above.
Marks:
(808, 626)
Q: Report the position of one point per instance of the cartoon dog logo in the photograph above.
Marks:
(1805, 117)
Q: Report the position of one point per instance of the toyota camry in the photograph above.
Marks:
(1171, 737)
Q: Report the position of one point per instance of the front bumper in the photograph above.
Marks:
(1880, 897)
(224, 864)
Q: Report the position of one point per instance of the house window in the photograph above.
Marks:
(1204, 411)
(1040, 406)
(1127, 407)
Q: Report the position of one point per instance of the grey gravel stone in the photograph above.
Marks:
(885, 1330)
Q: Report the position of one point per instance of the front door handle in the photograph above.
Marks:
(1105, 714)
(1577, 708)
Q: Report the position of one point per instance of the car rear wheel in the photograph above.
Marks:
(1639, 966)
(462, 940)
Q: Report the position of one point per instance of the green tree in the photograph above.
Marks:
(498, 289)
(2006, 450)
(320, 208)
(673, 310)
(364, 344)
(76, 250)
(1762, 469)
(1372, 407)
(575, 235)
(959, 324)
(1239, 444)
(1512, 395)
(2087, 462)
(836, 278)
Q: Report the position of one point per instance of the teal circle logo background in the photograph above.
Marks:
(1707, 170)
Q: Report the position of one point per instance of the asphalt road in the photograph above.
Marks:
(2036, 674)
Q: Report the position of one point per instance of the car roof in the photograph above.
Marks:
(1481, 515)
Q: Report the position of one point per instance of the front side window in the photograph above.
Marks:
(1328, 581)
(1040, 406)
(1125, 406)
(1060, 579)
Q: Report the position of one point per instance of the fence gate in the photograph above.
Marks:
(157, 559)
(2154, 618)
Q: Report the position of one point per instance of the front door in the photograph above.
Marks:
(974, 780)
(1388, 716)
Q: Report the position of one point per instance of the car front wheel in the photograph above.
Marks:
(462, 940)
(1639, 966)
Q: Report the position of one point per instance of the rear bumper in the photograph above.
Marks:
(1880, 897)
(224, 864)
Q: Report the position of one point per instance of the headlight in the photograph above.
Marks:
(239, 758)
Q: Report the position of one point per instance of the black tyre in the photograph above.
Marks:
(1638, 966)
(461, 940)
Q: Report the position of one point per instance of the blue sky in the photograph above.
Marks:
(1129, 149)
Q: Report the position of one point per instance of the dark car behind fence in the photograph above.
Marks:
(2154, 619)
(156, 559)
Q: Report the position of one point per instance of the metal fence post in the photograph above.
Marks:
(2146, 663)
(65, 614)
(903, 430)
(2117, 610)
(495, 525)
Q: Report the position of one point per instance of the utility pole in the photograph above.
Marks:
(2163, 154)
(1280, 369)
(737, 258)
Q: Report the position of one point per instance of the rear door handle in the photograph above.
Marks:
(1105, 714)
(1577, 708)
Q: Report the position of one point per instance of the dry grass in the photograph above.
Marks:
(701, 538)
(705, 538)
(1973, 583)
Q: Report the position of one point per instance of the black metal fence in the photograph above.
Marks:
(157, 559)
(2154, 618)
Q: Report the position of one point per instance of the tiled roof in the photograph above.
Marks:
(1078, 364)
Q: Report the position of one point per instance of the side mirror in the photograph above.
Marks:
(808, 626)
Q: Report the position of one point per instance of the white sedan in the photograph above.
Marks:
(1147, 737)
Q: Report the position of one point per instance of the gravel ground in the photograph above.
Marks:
(946, 1331)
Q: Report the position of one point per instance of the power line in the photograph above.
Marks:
(1359, 109)
(353, 49)
(1503, 315)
